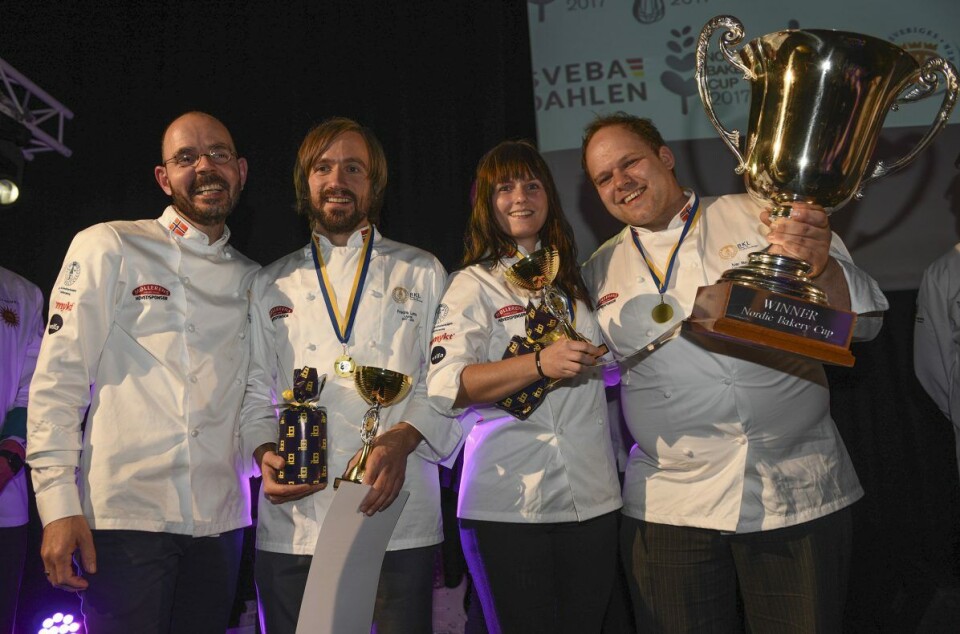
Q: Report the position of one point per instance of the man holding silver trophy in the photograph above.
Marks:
(357, 307)
(739, 476)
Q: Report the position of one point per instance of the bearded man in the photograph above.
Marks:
(349, 298)
(147, 338)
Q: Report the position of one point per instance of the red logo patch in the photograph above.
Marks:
(509, 311)
(443, 336)
(151, 291)
(279, 312)
(63, 306)
(609, 298)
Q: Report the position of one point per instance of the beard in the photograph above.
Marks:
(205, 214)
(337, 221)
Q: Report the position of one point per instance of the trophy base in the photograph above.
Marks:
(767, 319)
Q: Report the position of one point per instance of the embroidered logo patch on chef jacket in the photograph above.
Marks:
(280, 312)
(150, 291)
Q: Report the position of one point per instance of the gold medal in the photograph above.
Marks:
(662, 313)
(344, 366)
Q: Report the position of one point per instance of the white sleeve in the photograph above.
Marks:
(866, 298)
(33, 328)
(90, 284)
(934, 343)
(461, 338)
(440, 433)
(258, 414)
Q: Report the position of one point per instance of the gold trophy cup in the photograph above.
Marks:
(536, 273)
(818, 102)
(379, 388)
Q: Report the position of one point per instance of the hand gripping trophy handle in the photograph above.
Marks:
(818, 100)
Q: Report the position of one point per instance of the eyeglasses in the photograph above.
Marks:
(190, 158)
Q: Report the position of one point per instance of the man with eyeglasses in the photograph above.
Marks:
(147, 337)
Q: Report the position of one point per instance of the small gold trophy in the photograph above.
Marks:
(536, 272)
(379, 388)
(818, 102)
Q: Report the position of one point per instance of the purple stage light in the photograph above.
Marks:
(60, 623)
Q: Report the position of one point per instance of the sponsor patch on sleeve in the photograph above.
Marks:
(56, 323)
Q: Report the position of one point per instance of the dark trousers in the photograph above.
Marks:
(685, 579)
(161, 582)
(404, 603)
(13, 546)
(546, 578)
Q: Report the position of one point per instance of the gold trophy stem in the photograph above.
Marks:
(371, 424)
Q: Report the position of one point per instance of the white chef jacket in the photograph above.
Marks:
(148, 327)
(558, 464)
(292, 329)
(936, 336)
(21, 328)
(729, 437)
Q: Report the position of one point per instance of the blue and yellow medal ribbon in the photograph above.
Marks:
(343, 325)
(662, 279)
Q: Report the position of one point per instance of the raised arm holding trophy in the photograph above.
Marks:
(737, 455)
(818, 102)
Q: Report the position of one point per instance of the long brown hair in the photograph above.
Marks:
(486, 242)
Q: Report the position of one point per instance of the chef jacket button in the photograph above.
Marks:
(195, 433)
(667, 394)
(193, 378)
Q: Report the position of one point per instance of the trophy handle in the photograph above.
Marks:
(731, 37)
(926, 84)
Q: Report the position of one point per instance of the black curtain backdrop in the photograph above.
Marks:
(440, 81)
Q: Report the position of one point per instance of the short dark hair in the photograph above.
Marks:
(640, 126)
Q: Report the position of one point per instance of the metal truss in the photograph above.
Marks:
(28, 104)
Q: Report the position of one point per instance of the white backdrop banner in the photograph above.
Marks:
(595, 57)
(638, 56)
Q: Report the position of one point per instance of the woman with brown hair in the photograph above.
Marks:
(539, 489)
